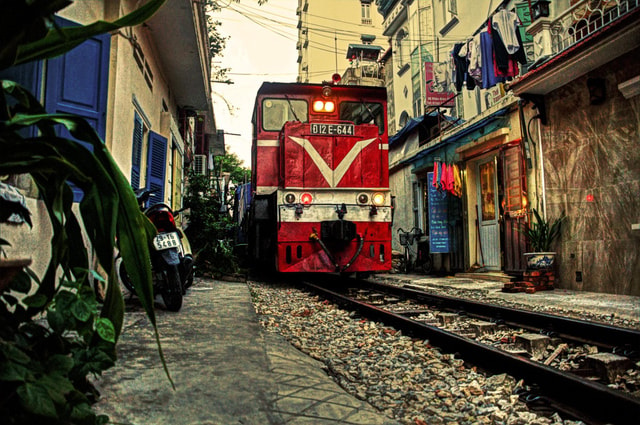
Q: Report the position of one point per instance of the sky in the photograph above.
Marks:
(261, 47)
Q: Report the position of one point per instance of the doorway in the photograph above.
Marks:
(488, 212)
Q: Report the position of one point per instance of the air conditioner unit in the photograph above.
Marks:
(200, 165)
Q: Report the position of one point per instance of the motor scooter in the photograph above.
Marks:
(171, 257)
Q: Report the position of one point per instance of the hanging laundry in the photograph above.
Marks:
(436, 171)
(461, 63)
(474, 60)
(457, 181)
(489, 77)
(443, 177)
(452, 182)
(505, 23)
(506, 57)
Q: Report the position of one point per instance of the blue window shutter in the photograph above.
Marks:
(77, 83)
(136, 152)
(156, 165)
(28, 75)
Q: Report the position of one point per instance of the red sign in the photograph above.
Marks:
(440, 90)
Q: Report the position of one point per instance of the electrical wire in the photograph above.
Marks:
(445, 45)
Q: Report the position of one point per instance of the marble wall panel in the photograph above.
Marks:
(592, 172)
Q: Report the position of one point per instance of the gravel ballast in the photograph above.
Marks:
(406, 378)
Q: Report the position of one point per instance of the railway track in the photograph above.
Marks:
(569, 393)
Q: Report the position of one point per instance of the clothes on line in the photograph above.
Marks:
(492, 56)
(447, 178)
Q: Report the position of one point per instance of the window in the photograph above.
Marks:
(417, 103)
(276, 112)
(449, 12)
(366, 12)
(404, 119)
(363, 113)
(143, 65)
(402, 50)
(139, 133)
(453, 7)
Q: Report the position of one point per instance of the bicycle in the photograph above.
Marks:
(423, 260)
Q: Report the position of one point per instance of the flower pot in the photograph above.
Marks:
(9, 268)
(539, 260)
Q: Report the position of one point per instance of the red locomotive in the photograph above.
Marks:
(320, 179)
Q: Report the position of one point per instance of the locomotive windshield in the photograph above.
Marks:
(277, 111)
(363, 113)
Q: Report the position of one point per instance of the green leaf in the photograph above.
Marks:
(81, 310)
(82, 412)
(105, 329)
(35, 399)
(64, 300)
(60, 363)
(92, 360)
(13, 353)
(56, 321)
(13, 372)
(21, 282)
(57, 386)
(35, 300)
(97, 276)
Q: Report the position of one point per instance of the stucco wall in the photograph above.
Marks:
(400, 183)
(592, 172)
(126, 81)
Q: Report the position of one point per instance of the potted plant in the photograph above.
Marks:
(541, 233)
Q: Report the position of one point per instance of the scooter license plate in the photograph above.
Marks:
(166, 240)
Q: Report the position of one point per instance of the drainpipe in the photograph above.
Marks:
(541, 160)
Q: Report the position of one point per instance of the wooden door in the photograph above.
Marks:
(514, 204)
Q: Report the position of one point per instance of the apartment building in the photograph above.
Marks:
(332, 34)
(551, 127)
(151, 106)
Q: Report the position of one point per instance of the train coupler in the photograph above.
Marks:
(314, 237)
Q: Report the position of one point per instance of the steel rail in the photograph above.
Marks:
(590, 401)
(587, 332)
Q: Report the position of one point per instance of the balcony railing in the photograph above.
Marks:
(371, 75)
(584, 18)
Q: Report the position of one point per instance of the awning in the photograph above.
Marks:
(408, 128)
(448, 145)
(369, 49)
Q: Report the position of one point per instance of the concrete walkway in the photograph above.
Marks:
(225, 368)
(490, 286)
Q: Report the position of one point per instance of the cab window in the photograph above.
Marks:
(277, 111)
(363, 113)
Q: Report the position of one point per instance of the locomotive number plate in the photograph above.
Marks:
(166, 240)
(333, 129)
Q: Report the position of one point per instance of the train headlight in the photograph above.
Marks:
(318, 106)
(363, 198)
(306, 198)
(326, 91)
(378, 199)
(326, 106)
(289, 198)
(329, 106)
